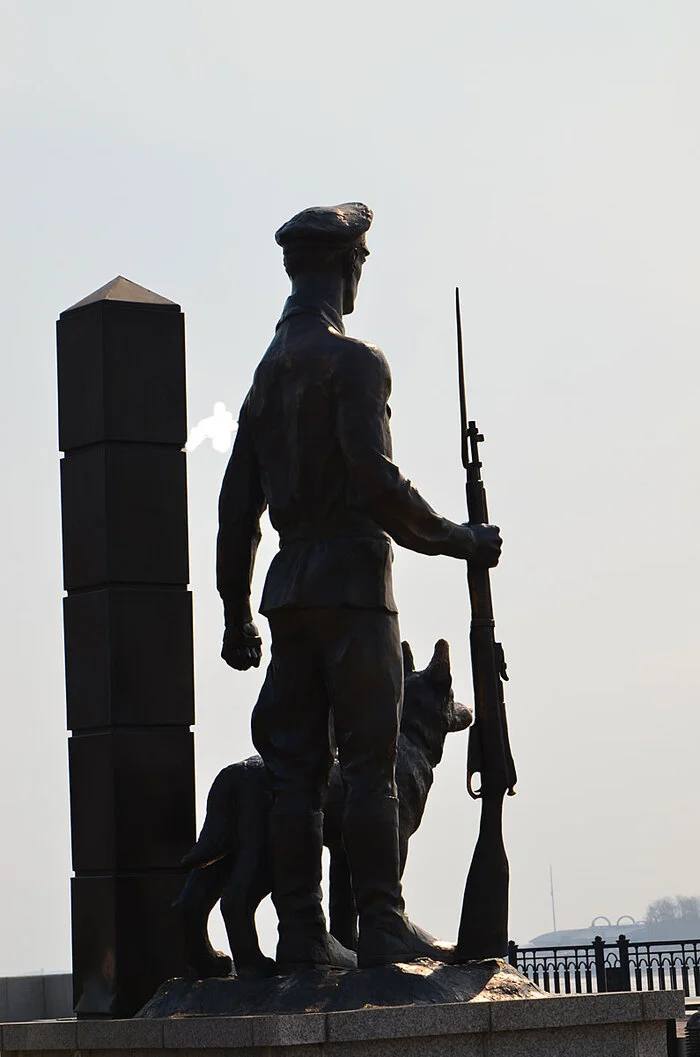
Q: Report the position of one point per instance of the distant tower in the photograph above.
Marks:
(128, 639)
(551, 892)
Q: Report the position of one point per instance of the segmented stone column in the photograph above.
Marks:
(128, 639)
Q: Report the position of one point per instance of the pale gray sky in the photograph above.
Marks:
(542, 155)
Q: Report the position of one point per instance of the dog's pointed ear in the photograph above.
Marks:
(439, 668)
(441, 653)
(409, 665)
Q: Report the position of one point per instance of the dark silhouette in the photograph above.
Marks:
(231, 859)
(314, 446)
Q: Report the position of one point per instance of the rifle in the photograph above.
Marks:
(483, 927)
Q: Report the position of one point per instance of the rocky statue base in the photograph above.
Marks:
(491, 1024)
(334, 990)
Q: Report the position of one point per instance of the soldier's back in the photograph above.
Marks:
(331, 551)
(293, 418)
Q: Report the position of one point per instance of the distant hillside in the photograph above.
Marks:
(668, 918)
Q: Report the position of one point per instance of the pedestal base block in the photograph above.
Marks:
(612, 1025)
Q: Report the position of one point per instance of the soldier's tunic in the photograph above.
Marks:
(314, 446)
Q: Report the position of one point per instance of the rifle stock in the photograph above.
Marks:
(483, 929)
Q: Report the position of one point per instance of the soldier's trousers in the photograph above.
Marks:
(346, 663)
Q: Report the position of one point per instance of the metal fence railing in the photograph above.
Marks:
(621, 965)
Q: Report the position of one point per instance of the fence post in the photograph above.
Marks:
(599, 950)
(513, 953)
(623, 945)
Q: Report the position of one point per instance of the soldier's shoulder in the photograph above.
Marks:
(355, 354)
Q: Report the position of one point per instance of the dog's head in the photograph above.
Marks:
(430, 711)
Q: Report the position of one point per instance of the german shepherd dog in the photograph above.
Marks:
(230, 861)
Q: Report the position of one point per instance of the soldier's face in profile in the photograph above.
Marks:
(352, 278)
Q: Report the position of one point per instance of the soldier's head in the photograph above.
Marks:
(328, 242)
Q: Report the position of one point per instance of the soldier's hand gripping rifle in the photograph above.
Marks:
(483, 928)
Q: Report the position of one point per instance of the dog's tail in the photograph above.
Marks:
(218, 835)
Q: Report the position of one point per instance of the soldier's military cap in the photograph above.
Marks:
(340, 225)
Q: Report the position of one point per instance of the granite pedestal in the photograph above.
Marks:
(611, 1025)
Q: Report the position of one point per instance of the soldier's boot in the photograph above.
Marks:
(371, 838)
(296, 843)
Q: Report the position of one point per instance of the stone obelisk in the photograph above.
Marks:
(128, 639)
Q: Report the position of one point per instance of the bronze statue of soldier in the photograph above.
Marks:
(314, 446)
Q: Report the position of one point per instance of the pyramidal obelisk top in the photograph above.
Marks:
(121, 289)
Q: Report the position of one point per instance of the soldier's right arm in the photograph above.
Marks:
(241, 504)
(363, 386)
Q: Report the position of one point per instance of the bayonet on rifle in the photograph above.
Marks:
(483, 930)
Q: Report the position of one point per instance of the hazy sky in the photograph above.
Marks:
(545, 156)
